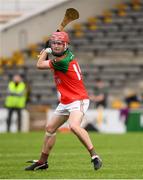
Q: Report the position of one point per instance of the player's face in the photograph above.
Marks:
(58, 46)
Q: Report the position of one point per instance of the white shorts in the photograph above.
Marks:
(65, 109)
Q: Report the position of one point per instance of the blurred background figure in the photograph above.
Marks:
(131, 101)
(100, 93)
(15, 100)
(141, 92)
(99, 100)
(132, 98)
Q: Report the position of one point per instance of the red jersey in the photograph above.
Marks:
(70, 83)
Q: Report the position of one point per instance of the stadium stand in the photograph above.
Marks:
(114, 31)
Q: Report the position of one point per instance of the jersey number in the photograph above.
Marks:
(77, 70)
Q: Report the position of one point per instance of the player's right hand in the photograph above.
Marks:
(41, 53)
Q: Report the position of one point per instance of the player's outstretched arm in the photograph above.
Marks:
(43, 63)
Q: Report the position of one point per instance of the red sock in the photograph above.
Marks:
(92, 152)
(43, 158)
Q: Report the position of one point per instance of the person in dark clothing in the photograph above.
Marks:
(99, 96)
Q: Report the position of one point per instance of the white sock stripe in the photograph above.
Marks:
(95, 156)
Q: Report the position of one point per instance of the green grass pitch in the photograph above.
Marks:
(122, 156)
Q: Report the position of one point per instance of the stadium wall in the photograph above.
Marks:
(33, 28)
(25, 121)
